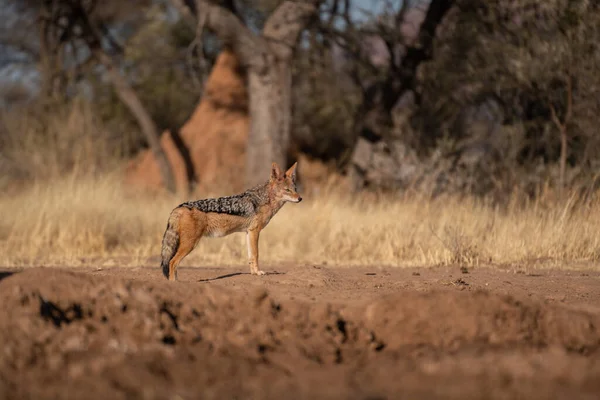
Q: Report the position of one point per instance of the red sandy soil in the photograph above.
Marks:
(301, 332)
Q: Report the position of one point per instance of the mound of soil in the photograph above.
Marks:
(214, 137)
(67, 334)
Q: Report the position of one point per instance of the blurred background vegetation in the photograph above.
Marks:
(453, 96)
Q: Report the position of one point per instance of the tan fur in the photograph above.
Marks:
(188, 223)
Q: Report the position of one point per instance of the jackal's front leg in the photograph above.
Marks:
(252, 239)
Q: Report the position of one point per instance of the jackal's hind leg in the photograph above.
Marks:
(188, 239)
(252, 240)
(182, 251)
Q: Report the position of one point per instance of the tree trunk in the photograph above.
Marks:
(145, 121)
(270, 115)
(563, 157)
(49, 55)
(267, 59)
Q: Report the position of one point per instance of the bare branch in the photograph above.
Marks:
(333, 13)
(554, 117)
(197, 45)
(422, 50)
(112, 40)
(401, 14)
(187, 11)
(285, 24)
(569, 111)
(282, 28)
(250, 49)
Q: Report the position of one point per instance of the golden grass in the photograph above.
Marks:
(75, 221)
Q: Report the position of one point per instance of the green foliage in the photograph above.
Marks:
(181, 34)
(521, 54)
(324, 105)
(155, 61)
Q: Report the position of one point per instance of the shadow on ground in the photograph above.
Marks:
(231, 275)
(6, 274)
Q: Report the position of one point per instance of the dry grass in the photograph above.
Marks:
(44, 144)
(78, 220)
(78, 213)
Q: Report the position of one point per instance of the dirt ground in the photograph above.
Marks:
(300, 332)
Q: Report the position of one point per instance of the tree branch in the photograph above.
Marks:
(281, 29)
(285, 24)
(569, 99)
(423, 48)
(93, 38)
(250, 49)
(187, 10)
(554, 117)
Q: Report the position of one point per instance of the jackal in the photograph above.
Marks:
(247, 212)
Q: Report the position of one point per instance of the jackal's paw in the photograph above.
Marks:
(259, 273)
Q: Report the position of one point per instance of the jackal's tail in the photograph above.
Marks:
(170, 242)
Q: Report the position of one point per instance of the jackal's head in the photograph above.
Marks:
(283, 186)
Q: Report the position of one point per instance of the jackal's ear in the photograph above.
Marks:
(291, 173)
(275, 171)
